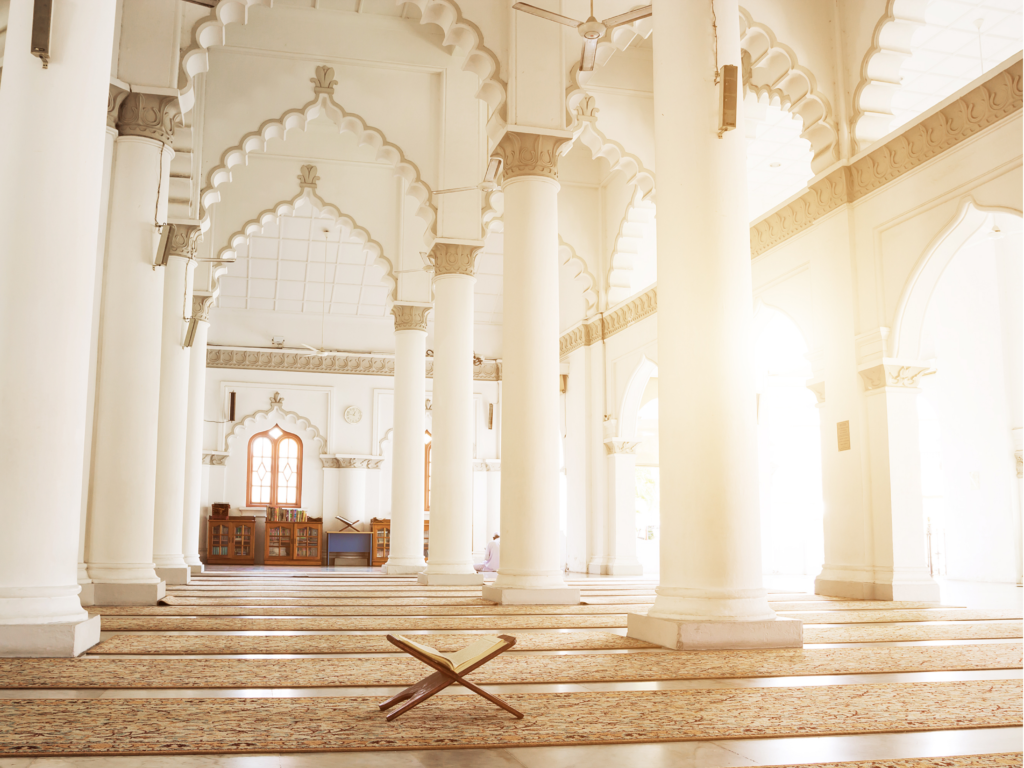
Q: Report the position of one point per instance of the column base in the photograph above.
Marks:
(87, 595)
(406, 569)
(715, 635)
(127, 593)
(450, 579)
(195, 570)
(177, 574)
(66, 639)
(532, 595)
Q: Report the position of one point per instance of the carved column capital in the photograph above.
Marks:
(454, 258)
(201, 307)
(149, 115)
(893, 373)
(183, 239)
(115, 96)
(410, 317)
(621, 446)
(529, 154)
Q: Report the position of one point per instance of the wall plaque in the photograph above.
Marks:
(843, 433)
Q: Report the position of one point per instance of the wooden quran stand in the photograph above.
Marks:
(347, 523)
(441, 679)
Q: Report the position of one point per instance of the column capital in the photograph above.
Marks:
(621, 446)
(149, 115)
(890, 373)
(182, 239)
(410, 317)
(115, 96)
(455, 257)
(201, 305)
(525, 153)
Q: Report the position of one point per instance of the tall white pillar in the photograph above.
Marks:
(169, 507)
(451, 482)
(407, 451)
(124, 465)
(530, 570)
(897, 507)
(621, 533)
(193, 479)
(711, 594)
(52, 134)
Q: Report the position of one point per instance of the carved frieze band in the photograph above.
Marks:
(529, 154)
(215, 459)
(410, 317)
(350, 462)
(183, 239)
(201, 307)
(365, 365)
(454, 258)
(149, 115)
(621, 446)
(976, 110)
(609, 323)
(893, 374)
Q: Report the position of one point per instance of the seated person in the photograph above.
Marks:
(491, 557)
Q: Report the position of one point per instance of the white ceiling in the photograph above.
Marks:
(291, 267)
(945, 52)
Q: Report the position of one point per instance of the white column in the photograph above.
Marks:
(451, 482)
(711, 594)
(193, 479)
(51, 130)
(124, 465)
(407, 447)
(530, 570)
(169, 507)
(621, 474)
(897, 507)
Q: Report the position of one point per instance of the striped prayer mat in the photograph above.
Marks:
(65, 727)
(98, 672)
(489, 609)
(911, 632)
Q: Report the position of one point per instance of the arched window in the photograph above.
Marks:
(275, 470)
(426, 471)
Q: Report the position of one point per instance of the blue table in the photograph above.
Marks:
(348, 543)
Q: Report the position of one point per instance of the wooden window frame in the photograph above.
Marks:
(275, 444)
(426, 472)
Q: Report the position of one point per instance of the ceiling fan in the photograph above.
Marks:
(322, 351)
(487, 185)
(590, 30)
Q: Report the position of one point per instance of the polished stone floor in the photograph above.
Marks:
(720, 753)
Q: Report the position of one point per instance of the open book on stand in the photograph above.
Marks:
(461, 659)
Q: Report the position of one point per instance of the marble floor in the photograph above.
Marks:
(707, 754)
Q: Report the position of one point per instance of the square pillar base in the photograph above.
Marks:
(195, 570)
(620, 569)
(715, 635)
(450, 579)
(404, 569)
(86, 596)
(65, 640)
(532, 596)
(174, 574)
(129, 594)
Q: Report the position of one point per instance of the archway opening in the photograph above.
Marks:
(789, 456)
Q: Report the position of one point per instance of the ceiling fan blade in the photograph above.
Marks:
(533, 9)
(492, 170)
(626, 18)
(456, 189)
(589, 55)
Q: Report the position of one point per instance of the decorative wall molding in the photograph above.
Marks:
(352, 462)
(323, 103)
(609, 323)
(621, 446)
(454, 258)
(984, 106)
(529, 154)
(201, 305)
(215, 458)
(149, 115)
(487, 465)
(567, 256)
(276, 408)
(410, 317)
(818, 388)
(893, 373)
(299, 361)
(1019, 455)
(183, 239)
(115, 96)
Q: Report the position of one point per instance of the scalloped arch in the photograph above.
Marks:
(639, 214)
(770, 68)
(347, 223)
(880, 71)
(465, 35)
(256, 141)
(277, 408)
(567, 255)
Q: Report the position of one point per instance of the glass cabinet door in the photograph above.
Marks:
(307, 542)
(242, 540)
(279, 541)
(219, 538)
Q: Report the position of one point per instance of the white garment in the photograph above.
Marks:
(492, 557)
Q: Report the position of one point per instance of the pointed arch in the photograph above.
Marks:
(630, 408)
(276, 409)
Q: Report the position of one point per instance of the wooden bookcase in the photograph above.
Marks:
(293, 543)
(231, 541)
(380, 540)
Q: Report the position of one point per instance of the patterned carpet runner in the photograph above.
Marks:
(180, 726)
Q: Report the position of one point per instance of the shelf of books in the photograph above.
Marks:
(231, 541)
(292, 538)
(380, 540)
